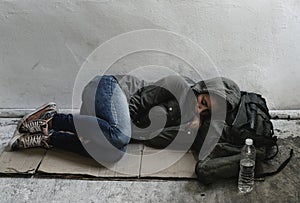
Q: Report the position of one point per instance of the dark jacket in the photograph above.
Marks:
(155, 109)
(142, 96)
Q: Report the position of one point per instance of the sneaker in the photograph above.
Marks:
(37, 121)
(26, 140)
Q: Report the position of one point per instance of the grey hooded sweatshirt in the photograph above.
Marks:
(210, 132)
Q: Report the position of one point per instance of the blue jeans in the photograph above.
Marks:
(103, 128)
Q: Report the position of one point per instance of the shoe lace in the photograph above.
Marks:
(35, 140)
(33, 126)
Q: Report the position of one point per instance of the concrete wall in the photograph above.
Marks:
(43, 43)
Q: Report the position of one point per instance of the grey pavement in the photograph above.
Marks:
(283, 187)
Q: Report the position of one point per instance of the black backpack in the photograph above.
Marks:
(252, 120)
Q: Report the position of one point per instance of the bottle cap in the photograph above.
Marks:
(249, 141)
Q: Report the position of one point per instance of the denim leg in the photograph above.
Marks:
(111, 106)
(86, 127)
(104, 99)
(63, 122)
(102, 142)
(104, 135)
(68, 141)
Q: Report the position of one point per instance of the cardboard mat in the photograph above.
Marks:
(22, 162)
(59, 162)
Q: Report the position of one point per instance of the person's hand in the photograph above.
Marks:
(195, 124)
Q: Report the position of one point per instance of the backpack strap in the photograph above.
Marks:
(282, 166)
(271, 157)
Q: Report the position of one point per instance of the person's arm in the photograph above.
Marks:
(174, 137)
(168, 88)
(146, 98)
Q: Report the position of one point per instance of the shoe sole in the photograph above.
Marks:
(35, 111)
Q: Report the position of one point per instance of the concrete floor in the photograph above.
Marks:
(283, 187)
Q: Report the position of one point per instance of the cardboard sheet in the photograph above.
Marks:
(181, 165)
(21, 162)
(59, 162)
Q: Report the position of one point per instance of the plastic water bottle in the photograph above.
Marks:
(247, 165)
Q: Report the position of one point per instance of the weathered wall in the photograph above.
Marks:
(43, 43)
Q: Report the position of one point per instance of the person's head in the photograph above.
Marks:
(206, 102)
(216, 93)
